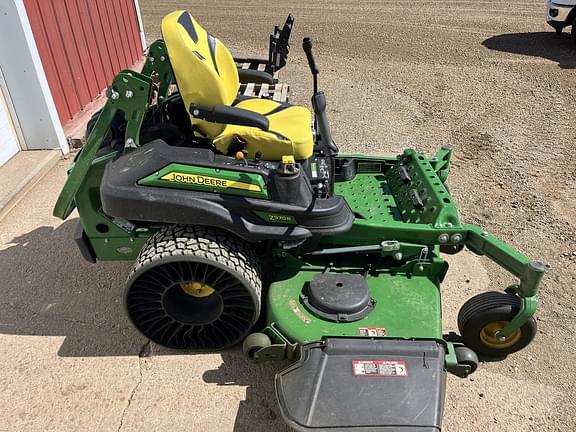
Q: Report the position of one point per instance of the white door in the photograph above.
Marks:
(8, 139)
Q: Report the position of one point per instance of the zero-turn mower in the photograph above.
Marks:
(248, 226)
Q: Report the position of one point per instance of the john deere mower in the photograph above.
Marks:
(248, 226)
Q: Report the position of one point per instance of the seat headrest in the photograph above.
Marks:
(204, 69)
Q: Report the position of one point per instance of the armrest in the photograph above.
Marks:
(254, 76)
(229, 115)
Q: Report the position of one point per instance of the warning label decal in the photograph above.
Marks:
(372, 331)
(379, 368)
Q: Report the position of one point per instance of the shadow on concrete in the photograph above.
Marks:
(49, 290)
(546, 45)
(259, 412)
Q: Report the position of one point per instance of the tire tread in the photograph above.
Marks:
(205, 245)
(483, 302)
(205, 242)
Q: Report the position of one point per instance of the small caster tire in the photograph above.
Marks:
(484, 315)
(466, 356)
(255, 342)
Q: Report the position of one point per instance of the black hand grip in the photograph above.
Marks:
(307, 46)
(319, 105)
(225, 114)
(255, 76)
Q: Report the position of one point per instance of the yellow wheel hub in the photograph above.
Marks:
(488, 335)
(196, 289)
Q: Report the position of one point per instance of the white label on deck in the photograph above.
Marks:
(379, 368)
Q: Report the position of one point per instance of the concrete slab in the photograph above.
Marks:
(70, 358)
(21, 173)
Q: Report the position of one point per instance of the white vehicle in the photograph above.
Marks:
(560, 14)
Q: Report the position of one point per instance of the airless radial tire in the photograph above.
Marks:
(194, 287)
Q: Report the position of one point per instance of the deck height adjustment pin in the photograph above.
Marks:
(443, 238)
(456, 238)
(114, 95)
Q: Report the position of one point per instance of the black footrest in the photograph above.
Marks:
(364, 385)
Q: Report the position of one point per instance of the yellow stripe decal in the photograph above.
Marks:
(178, 177)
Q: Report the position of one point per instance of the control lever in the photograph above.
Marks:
(307, 46)
(319, 104)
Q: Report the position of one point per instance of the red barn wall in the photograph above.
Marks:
(82, 45)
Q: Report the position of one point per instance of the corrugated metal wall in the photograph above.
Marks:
(83, 44)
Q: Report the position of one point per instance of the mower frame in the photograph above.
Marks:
(117, 239)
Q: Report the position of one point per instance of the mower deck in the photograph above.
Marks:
(393, 290)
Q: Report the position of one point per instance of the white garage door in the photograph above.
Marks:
(8, 139)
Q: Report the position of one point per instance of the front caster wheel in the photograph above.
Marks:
(255, 342)
(484, 315)
(466, 356)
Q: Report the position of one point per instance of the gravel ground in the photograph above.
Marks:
(488, 78)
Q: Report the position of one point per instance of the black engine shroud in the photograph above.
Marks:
(293, 196)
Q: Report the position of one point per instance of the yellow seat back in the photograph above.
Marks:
(205, 70)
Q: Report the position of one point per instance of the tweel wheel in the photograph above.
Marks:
(484, 315)
(194, 287)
